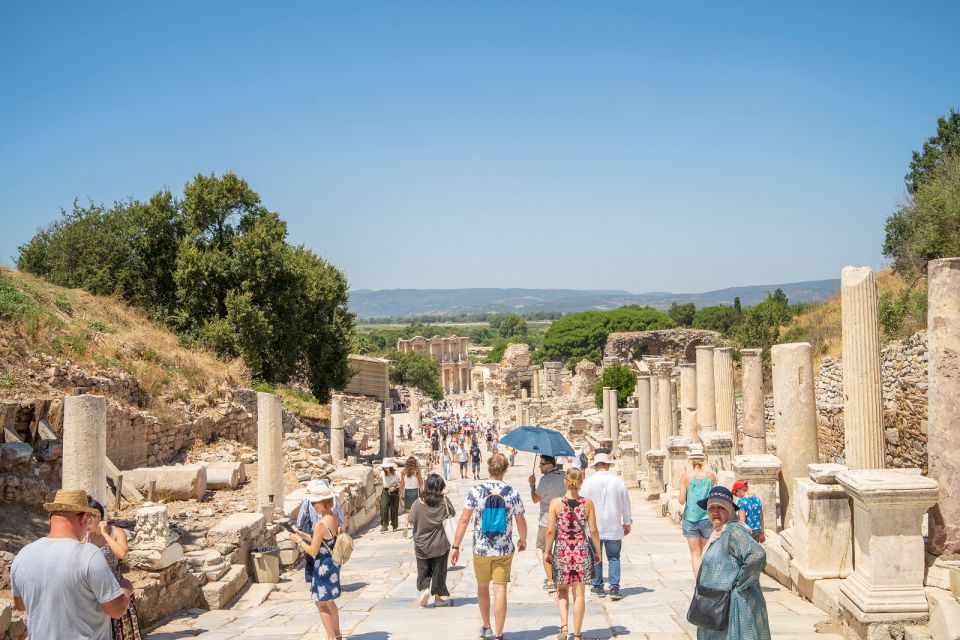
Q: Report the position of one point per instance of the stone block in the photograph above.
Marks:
(172, 483)
(820, 541)
(224, 475)
(938, 570)
(15, 455)
(944, 615)
(237, 528)
(219, 594)
(825, 594)
(825, 473)
(778, 561)
(154, 559)
(6, 615)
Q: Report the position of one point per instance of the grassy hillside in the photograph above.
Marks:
(99, 333)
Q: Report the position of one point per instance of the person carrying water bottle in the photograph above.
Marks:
(493, 506)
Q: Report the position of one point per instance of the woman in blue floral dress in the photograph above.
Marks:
(325, 586)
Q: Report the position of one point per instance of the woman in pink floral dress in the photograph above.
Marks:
(570, 550)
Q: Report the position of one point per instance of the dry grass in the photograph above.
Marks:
(104, 332)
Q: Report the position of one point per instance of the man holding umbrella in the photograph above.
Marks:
(551, 486)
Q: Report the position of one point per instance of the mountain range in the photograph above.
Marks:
(386, 303)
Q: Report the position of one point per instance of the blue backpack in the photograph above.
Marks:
(493, 516)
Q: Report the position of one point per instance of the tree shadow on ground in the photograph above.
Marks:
(353, 586)
(373, 635)
(635, 591)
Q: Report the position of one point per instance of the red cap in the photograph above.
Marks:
(739, 484)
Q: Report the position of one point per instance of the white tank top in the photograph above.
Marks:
(410, 482)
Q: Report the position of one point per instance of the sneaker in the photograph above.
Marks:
(383, 529)
(422, 598)
(615, 593)
(551, 587)
(486, 633)
(598, 591)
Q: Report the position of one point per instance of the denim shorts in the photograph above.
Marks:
(702, 529)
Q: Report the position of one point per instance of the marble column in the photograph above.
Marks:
(519, 410)
(654, 410)
(688, 402)
(614, 423)
(706, 401)
(415, 410)
(336, 428)
(726, 405)
(795, 415)
(605, 411)
(862, 384)
(535, 383)
(643, 415)
(674, 404)
(888, 556)
(943, 401)
(269, 451)
(762, 473)
(754, 427)
(85, 446)
(387, 445)
(664, 410)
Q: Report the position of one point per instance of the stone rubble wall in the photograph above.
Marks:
(676, 344)
(361, 423)
(904, 371)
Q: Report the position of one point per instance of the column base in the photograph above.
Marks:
(881, 604)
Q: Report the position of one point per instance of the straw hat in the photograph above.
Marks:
(316, 493)
(602, 458)
(71, 501)
(388, 464)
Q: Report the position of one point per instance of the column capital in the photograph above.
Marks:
(757, 466)
(889, 488)
(663, 368)
(678, 445)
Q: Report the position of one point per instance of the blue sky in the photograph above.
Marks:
(608, 145)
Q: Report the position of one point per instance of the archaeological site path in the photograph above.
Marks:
(379, 584)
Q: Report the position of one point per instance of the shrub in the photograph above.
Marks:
(618, 377)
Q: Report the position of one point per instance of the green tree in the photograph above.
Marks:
(943, 144)
(496, 354)
(716, 318)
(513, 326)
(736, 305)
(616, 376)
(584, 335)
(413, 369)
(761, 324)
(682, 314)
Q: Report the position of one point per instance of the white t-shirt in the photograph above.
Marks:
(611, 503)
(62, 583)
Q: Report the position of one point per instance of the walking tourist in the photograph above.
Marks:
(569, 550)
(65, 586)
(307, 519)
(475, 458)
(412, 486)
(430, 543)
(493, 505)
(112, 542)
(695, 525)
(612, 504)
(325, 586)
(750, 508)
(462, 458)
(390, 497)
(551, 486)
(733, 562)
(449, 457)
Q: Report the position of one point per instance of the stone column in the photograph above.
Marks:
(655, 482)
(535, 383)
(415, 410)
(387, 432)
(519, 410)
(723, 390)
(270, 451)
(887, 580)
(754, 427)
(605, 411)
(706, 401)
(688, 402)
(643, 417)
(654, 411)
(943, 401)
(762, 473)
(664, 410)
(336, 428)
(85, 446)
(795, 411)
(862, 385)
(614, 423)
(675, 405)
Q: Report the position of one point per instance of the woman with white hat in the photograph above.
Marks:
(325, 587)
(390, 497)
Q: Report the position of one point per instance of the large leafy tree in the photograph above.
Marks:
(414, 369)
(938, 147)
(584, 335)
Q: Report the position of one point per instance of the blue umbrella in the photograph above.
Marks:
(545, 442)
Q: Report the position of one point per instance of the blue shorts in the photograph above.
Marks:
(701, 529)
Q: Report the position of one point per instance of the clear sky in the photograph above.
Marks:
(629, 145)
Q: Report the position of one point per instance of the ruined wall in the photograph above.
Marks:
(904, 370)
(675, 344)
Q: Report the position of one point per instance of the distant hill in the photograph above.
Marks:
(385, 303)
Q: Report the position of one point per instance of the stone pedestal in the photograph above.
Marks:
(795, 410)
(888, 508)
(943, 398)
(605, 411)
(688, 402)
(677, 449)
(269, 450)
(85, 446)
(820, 539)
(655, 484)
(706, 399)
(336, 427)
(723, 389)
(862, 385)
(754, 428)
(628, 465)
(718, 445)
(762, 473)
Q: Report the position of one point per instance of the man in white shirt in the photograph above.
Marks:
(612, 504)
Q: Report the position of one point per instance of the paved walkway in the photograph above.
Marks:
(379, 592)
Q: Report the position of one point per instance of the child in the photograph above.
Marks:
(751, 509)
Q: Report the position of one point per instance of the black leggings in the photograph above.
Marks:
(432, 572)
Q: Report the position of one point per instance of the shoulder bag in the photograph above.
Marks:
(342, 549)
(709, 608)
(450, 522)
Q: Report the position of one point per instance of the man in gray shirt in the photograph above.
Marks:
(64, 585)
(551, 486)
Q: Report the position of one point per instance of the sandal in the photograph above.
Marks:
(563, 633)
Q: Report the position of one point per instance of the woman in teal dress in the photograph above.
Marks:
(733, 561)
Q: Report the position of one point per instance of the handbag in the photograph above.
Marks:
(709, 608)
(450, 522)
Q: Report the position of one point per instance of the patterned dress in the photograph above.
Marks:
(326, 574)
(127, 627)
(572, 562)
(735, 561)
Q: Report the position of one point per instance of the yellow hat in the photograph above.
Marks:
(71, 501)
